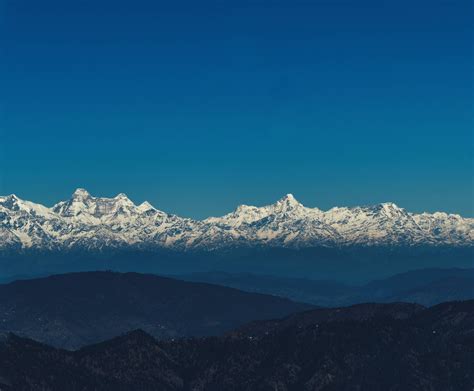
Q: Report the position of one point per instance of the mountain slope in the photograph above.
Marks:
(323, 292)
(426, 287)
(87, 222)
(75, 309)
(366, 347)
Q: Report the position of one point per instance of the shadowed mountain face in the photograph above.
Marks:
(426, 287)
(365, 347)
(76, 309)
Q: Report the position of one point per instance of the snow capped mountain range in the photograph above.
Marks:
(87, 222)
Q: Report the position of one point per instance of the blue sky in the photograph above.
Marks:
(200, 106)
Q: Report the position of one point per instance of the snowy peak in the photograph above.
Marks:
(80, 194)
(121, 196)
(82, 203)
(286, 207)
(11, 201)
(288, 200)
(389, 209)
(14, 203)
(77, 204)
(11, 197)
(288, 203)
(86, 221)
(145, 206)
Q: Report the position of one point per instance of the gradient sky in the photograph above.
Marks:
(198, 106)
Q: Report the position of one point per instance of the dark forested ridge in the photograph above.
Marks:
(77, 309)
(364, 347)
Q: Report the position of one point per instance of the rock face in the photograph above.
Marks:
(367, 347)
(94, 223)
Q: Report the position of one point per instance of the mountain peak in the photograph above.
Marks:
(10, 197)
(10, 201)
(121, 196)
(391, 207)
(144, 206)
(289, 201)
(97, 222)
(80, 193)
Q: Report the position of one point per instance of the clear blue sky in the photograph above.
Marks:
(198, 106)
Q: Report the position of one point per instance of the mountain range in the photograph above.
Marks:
(75, 309)
(368, 347)
(95, 223)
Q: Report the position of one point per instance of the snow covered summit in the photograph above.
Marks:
(89, 222)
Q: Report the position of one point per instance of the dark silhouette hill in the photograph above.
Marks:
(368, 347)
(72, 310)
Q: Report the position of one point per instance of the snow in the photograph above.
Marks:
(98, 222)
(145, 206)
(80, 193)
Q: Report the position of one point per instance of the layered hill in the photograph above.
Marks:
(366, 347)
(76, 309)
(426, 287)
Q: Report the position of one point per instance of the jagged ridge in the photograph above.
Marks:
(91, 222)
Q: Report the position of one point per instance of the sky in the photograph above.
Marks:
(200, 106)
